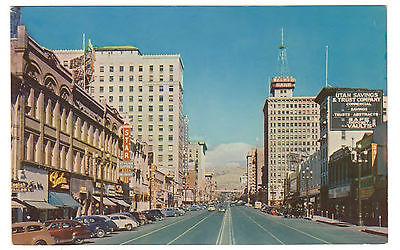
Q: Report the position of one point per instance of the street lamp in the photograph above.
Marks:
(307, 175)
(359, 157)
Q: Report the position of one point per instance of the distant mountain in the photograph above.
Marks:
(228, 177)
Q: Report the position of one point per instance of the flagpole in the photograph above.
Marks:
(84, 61)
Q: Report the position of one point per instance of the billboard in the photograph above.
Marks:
(127, 143)
(355, 109)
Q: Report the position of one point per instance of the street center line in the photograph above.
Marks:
(309, 235)
(263, 228)
(195, 225)
(151, 232)
(220, 231)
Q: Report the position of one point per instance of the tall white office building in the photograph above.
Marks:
(148, 91)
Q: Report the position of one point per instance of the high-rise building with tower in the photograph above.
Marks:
(291, 129)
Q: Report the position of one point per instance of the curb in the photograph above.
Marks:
(374, 232)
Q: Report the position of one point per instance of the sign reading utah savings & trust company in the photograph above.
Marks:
(59, 181)
(356, 109)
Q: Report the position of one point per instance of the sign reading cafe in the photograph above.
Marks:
(59, 181)
(356, 109)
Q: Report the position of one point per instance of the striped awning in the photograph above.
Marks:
(15, 204)
(120, 202)
(106, 201)
(62, 200)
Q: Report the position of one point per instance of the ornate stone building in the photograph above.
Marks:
(57, 126)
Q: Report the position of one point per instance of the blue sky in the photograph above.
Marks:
(230, 52)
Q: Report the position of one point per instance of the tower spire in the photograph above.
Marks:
(282, 59)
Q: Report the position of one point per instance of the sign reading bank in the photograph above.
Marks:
(356, 109)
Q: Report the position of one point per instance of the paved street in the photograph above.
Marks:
(238, 225)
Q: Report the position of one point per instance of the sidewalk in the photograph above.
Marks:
(367, 229)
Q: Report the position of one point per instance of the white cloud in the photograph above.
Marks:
(231, 154)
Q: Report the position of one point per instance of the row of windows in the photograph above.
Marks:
(131, 88)
(293, 137)
(131, 68)
(294, 124)
(294, 118)
(150, 118)
(140, 78)
(140, 108)
(294, 105)
(294, 112)
(140, 98)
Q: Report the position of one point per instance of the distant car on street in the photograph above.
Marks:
(169, 212)
(211, 208)
(123, 221)
(195, 208)
(179, 211)
(31, 233)
(68, 231)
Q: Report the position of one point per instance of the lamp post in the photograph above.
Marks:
(359, 157)
(307, 175)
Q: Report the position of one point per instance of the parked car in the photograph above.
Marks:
(143, 218)
(68, 231)
(31, 233)
(169, 212)
(179, 211)
(211, 208)
(110, 223)
(195, 208)
(98, 225)
(156, 214)
(133, 215)
(123, 221)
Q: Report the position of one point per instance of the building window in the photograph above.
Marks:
(121, 68)
(130, 108)
(121, 88)
(170, 107)
(150, 139)
(170, 147)
(160, 118)
(140, 78)
(171, 98)
(160, 158)
(140, 108)
(131, 78)
(171, 128)
(150, 118)
(150, 78)
(171, 118)
(171, 78)
(140, 127)
(161, 78)
(150, 128)
(101, 89)
(110, 98)
(140, 98)
(130, 88)
(171, 68)
(171, 88)
(161, 67)
(101, 68)
(111, 68)
(160, 148)
(170, 137)
(151, 98)
(101, 79)
(151, 88)
(160, 108)
(140, 88)
(110, 89)
(151, 68)
(111, 78)
(121, 78)
(161, 88)
(131, 68)
(120, 98)
(160, 127)
(140, 68)
(151, 108)
(121, 108)
(131, 98)
(160, 138)
(140, 118)
(160, 98)
(170, 158)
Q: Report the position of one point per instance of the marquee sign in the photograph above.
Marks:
(59, 181)
(356, 109)
(127, 143)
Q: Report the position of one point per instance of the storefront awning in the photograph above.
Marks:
(62, 200)
(120, 202)
(15, 204)
(40, 205)
(106, 201)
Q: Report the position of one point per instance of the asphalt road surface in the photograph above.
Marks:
(240, 226)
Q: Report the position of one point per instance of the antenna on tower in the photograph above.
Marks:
(326, 65)
(283, 65)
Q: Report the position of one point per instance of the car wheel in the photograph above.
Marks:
(78, 241)
(100, 233)
(129, 227)
(40, 242)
